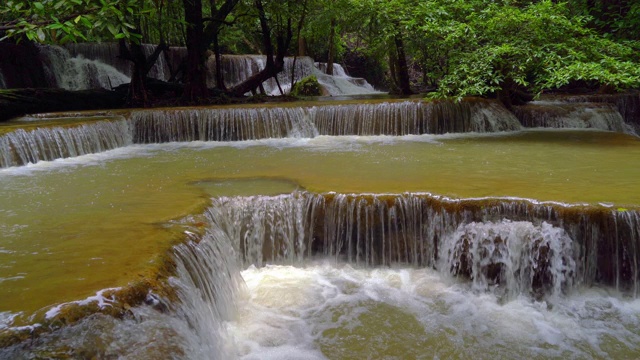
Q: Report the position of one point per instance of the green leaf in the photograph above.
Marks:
(41, 35)
(112, 29)
(38, 5)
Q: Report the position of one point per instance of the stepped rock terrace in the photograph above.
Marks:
(205, 201)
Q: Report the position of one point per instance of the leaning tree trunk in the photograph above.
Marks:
(137, 94)
(273, 65)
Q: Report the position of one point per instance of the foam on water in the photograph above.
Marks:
(328, 311)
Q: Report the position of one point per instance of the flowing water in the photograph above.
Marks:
(285, 232)
(90, 65)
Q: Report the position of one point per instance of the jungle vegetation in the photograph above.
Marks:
(510, 49)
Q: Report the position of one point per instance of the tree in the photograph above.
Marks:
(535, 48)
(63, 21)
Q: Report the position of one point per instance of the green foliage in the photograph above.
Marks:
(64, 21)
(476, 47)
(308, 86)
(535, 47)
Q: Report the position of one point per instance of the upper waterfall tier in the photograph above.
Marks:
(251, 123)
(235, 68)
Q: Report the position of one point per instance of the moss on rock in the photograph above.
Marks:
(308, 86)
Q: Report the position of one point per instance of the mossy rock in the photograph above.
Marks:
(308, 86)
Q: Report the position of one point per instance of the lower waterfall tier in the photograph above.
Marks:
(512, 246)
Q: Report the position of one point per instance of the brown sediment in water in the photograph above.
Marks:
(150, 287)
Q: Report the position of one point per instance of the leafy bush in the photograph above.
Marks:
(308, 86)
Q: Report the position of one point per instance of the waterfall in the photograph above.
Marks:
(521, 257)
(238, 68)
(93, 65)
(628, 105)
(557, 114)
(153, 126)
(401, 118)
(78, 73)
(507, 246)
(405, 118)
(238, 124)
(21, 147)
(340, 83)
(338, 70)
(207, 282)
(109, 53)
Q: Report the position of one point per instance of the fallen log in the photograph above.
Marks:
(19, 102)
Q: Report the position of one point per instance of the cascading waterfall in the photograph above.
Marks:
(221, 124)
(627, 104)
(338, 70)
(407, 118)
(511, 246)
(522, 257)
(21, 147)
(403, 118)
(238, 68)
(237, 124)
(78, 73)
(557, 114)
(235, 68)
(109, 53)
(207, 282)
(340, 83)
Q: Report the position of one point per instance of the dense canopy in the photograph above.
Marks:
(451, 48)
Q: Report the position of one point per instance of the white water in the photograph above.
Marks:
(508, 258)
(340, 83)
(79, 73)
(22, 147)
(328, 310)
(559, 114)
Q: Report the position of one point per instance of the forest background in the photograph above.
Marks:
(509, 49)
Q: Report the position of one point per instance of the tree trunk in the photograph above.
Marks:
(275, 64)
(402, 68)
(302, 46)
(218, 56)
(212, 32)
(332, 47)
(195, 80)
(137, 91)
